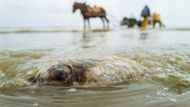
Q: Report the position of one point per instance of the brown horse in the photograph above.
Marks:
(91, 12)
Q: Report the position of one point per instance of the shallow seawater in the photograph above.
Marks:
(164, 53)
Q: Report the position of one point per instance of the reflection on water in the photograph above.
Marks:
(165, 54)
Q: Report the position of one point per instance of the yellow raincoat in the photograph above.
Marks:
(156, 16)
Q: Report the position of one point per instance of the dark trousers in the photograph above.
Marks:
(157, 21)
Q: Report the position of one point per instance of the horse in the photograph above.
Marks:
(91, 12)
(132, 22)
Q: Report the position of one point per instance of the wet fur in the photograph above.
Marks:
(89, 72)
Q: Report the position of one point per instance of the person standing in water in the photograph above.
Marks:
(157, 19)
(145, 14)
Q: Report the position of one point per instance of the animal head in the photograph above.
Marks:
(56, 73)
(124, 21)
(62, 73)
(81, 6)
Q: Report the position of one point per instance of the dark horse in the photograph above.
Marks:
(91, 12)
(132, 22)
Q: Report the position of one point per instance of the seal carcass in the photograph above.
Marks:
(90, 72)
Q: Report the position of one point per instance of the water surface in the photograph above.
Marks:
(165, 54)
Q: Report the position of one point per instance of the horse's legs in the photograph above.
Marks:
(84, 24)
(107, 21)
(88, 23)
(103, 22)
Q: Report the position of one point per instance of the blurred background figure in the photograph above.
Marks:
(129, 22)
(156, 19)
(145, 14)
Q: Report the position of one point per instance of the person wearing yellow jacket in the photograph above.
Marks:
(156, 19)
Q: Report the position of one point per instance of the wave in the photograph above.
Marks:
(169, 70)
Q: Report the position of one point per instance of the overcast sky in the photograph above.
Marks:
(51, 13)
